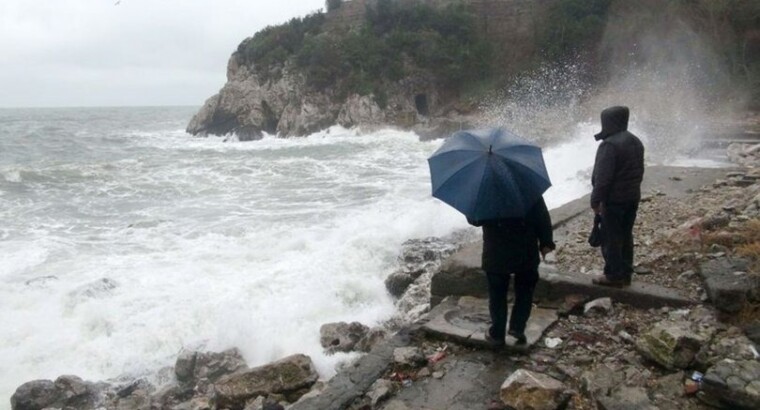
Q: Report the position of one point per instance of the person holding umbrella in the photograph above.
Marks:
(496, 180)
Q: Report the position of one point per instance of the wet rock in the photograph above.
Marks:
(398, 282)
(731, 345)
(66, 391)
(130, 388)
(529, 390)
(669, 386)
(734, 383)
(728, 285)
(374, 336)
(192, 367)
(673, 345)
(198, 403)
(396, 405)
(98, 289)
(255, 404)
(753, 332)
(380, 390)
(169, 396)
(626, 398)
(410, 356)
(601, 379)
(341, 336)
(35, 395)
(141, 400)
(291, 377)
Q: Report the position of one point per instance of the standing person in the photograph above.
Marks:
(511, 246)
(616, 180)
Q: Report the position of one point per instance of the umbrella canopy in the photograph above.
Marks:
(488, 174)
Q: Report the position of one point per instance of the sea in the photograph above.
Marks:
(124, 240)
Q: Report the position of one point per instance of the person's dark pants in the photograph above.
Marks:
(498, 285)
(617, 239)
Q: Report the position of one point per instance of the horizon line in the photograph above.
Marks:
(31, 107)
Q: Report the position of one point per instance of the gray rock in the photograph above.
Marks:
(168, 396)
(753, 332)
(734, 383)
(198, 403)
(341, 336)
(36, 395)
(673, 344)
(728, 290)
(291, 377)
(398, 282)
(380, 390)
(66, 391)
(141, 400)
(603, 378)
(626, 398)
(192, 367)
(410, 356)
(361, 111)
(374, 336)
(730, 345)
(524, 389)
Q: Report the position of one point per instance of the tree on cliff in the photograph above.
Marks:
(331, 5)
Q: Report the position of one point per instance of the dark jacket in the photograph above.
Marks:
(512, 244)
(619, 165)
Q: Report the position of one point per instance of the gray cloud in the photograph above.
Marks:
(140, 52)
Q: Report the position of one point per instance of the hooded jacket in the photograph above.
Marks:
(619, 165)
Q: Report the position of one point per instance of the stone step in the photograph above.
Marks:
(465, 319)
(640, 294)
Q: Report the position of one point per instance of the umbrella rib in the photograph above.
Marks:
(525, 167)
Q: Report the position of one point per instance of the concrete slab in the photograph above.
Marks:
(465, 319)
(471, 381)
(639, 294)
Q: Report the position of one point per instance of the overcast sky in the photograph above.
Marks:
(140, 52)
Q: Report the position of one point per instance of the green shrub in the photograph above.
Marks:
(331, 5)
(573, 25)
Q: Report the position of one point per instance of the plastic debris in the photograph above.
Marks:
(438, 356)
(406, 382)
(697, 376)
(552, 342)
(754, 351)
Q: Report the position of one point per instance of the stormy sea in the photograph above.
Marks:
(124, 239)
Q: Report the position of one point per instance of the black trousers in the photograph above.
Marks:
(617, 238)
(498, 285)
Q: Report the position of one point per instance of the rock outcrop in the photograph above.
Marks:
(250, 105)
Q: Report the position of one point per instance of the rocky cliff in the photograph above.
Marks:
(251, 104)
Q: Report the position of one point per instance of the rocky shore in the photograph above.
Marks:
(695, 350)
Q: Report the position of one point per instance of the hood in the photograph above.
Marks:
(614, 120)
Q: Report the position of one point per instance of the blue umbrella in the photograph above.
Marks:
(488, 174)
